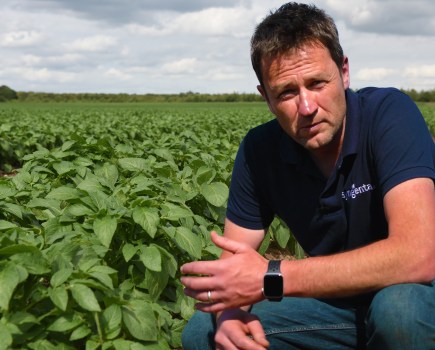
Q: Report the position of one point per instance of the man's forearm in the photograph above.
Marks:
(355, 272)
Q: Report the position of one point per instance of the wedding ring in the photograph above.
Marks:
(210, 300)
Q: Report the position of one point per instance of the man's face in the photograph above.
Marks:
(306, 91)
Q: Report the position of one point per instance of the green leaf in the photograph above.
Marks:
(169, 261)
(187, 307)
(10, 277)
(65, 323)
(59, 297)
(105, 228)
(174, 212)
(63, 167)
(147, 218)
(188, 241)
(14, 209)
(90, 184)
(60, 277)
(111, 321)
(128, 251)
(85, 297)
(17, 249)
(108, 172)
(78, 210)
(138, 317)
(215, 193)
(80, 333)
(5, 336)
(156, 282)
(6, 191)
(52, 204)
(204, 175)
(133, 164)
(281, 235)
(64, 193)
(67, 145)
(151, 258)
(6, 225)
(34, 262)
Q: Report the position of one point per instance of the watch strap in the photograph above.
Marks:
(274, 266)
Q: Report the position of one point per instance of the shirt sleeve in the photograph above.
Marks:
(245, 207)
(402, 146)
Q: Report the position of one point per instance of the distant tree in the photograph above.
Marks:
(6, 94)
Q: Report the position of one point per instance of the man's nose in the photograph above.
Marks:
(307, 103)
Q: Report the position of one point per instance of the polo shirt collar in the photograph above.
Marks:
(353, 122)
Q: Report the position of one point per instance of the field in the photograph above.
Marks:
(100, 205)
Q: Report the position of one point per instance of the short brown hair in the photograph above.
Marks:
(290, 27)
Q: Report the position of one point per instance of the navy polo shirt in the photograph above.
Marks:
(386, 142)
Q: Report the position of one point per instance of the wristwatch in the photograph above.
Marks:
(273, 283)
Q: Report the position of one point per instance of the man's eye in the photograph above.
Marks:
(318, 84)
(287, 93)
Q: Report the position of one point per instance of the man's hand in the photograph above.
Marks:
(226, 283)
(238, 329)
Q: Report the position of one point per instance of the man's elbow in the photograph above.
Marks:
(423, 270)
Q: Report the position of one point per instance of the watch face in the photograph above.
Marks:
(273, 286)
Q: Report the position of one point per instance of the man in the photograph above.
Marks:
(352, 175)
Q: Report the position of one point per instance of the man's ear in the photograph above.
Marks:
(345, 72)
(262, 92)
(264, 95)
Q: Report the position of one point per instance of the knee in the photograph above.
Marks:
(199, 332)
(399, 314)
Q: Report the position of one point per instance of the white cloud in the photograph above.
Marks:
(215, 21)
(94, 43)
(374, 74)
(43, 75)
(30, 60)
(20, 38)
(117, 74)
(184, 65)
(423, 71)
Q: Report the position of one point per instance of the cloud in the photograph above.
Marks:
(374, 74)
(43, 75)
(184, 65)
(128, 11)
(117, 74)
(402, 17)
(424, 71)
(92, 44)
(20, 38)
(213, 21)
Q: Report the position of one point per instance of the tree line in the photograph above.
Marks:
(7, 94)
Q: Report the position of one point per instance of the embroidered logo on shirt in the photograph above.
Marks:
(356, 191)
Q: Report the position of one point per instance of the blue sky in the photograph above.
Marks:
(172, 46)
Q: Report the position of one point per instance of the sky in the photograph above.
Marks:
(174, 46)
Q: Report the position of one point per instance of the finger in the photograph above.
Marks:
(204, 296)
(247, 343)
(200, 267)
(257, 332)
(199, 283)
(216, 306)
(227, 244)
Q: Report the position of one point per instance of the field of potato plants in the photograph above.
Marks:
(100, 204)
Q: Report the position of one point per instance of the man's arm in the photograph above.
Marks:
(407, 255)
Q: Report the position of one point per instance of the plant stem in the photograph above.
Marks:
(100, 332)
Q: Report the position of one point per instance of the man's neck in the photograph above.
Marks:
(326, 157)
